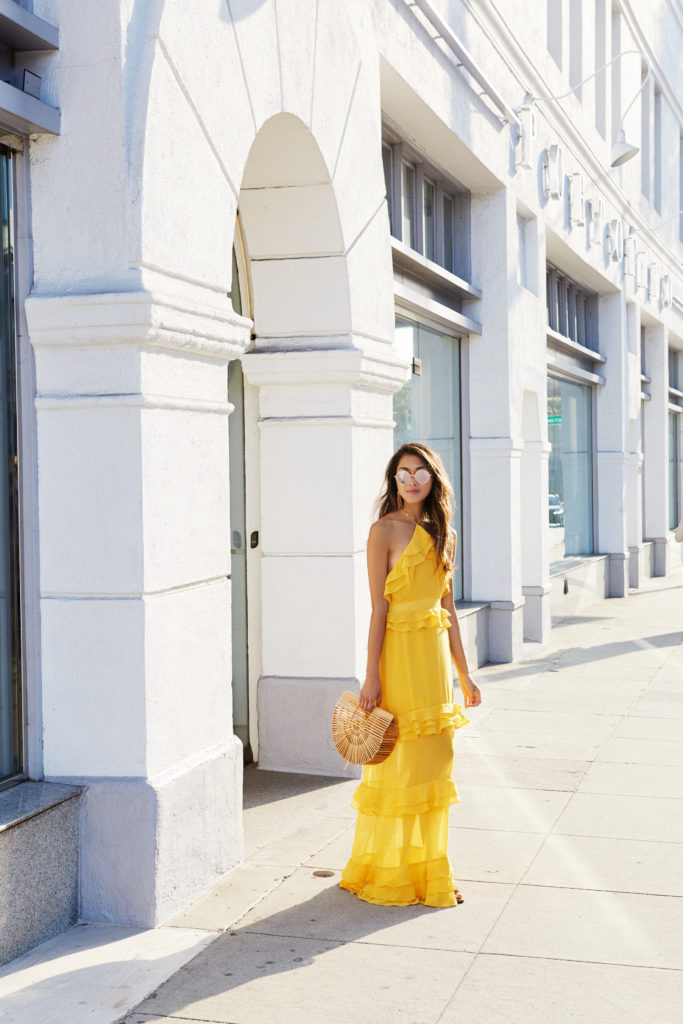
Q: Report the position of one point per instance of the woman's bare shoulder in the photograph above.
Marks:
(382, 529)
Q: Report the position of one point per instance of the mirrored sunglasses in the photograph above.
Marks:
(420, 476)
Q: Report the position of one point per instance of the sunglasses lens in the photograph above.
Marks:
(403, 476)
(422, 476)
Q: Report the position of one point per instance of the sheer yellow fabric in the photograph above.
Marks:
(400, 846)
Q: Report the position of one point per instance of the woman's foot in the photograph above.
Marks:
(459, 898)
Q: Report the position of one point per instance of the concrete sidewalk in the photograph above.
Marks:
(567, 845)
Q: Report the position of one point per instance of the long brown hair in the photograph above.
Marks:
(438, 506)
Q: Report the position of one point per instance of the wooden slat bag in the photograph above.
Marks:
(362, 737)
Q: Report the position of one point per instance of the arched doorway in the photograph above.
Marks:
(288, 256)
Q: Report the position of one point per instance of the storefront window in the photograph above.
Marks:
(570, 499)
(673, 471)
(10, 667)
(427, 409)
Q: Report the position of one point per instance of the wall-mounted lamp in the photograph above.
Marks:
(577, 206)
(553, 172)
(615, 240)
(621, 150)
(666, 291)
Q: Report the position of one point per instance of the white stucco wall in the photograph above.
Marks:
(170, 124)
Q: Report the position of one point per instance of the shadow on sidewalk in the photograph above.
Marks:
(285, 941)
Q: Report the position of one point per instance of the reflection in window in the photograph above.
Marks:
(674, 514)
(570, 498)
(448, 234)
(429, 221)
(387, 164)
(427, 408)
(11, 726)
(409, 205)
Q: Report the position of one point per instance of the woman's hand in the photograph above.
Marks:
(370, 694)
(470, 691)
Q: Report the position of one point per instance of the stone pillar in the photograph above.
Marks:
(612, 444)
(326, 434)
(656, 447)
(132, 418)
(495, 441)
(634, 490)
(534, 482)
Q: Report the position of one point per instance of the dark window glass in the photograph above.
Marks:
(673, 471)
(429, 220)
(448, 234)
(427, 409)
(11, 731)
(387, 165)
(570, 498)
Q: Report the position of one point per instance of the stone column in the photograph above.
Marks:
(495, 442)
(656, 448)
(326, 433)
(611, 443)
(634, 490)
(132, 417)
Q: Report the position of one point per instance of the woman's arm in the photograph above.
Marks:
(470, 690)
(378, 553)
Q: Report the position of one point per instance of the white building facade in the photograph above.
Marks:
(250, 246)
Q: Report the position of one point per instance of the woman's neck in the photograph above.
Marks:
(416, 511)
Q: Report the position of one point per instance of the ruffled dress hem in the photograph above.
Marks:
(428, 882)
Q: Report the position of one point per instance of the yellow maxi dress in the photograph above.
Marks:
(399, 853)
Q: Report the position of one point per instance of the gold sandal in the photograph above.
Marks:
(459, 898)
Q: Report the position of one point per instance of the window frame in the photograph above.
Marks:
(446, 188)
(571, 309)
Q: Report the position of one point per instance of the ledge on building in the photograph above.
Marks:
(473, 618)
(576, 584)
(39, 855)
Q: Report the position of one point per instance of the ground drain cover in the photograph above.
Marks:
(323, 874)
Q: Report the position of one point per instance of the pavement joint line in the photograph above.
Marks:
(584, 888)
(571, 960)
(615, 839)
(202, 1020)
(366, 942)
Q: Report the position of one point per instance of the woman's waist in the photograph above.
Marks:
(409, 615)
(421, 604)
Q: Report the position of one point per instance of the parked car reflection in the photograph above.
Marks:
(555, 510)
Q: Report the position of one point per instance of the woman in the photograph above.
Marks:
(399, 852)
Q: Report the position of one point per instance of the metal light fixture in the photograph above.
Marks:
(623, 150)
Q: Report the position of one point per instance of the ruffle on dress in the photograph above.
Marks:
(405, 800)
(428, 721)
(428, 882)
(419, 548)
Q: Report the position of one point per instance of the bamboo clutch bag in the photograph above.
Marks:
(362, 737)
